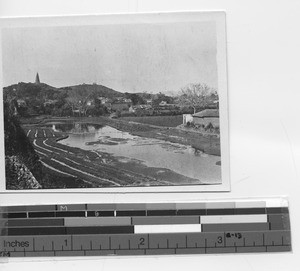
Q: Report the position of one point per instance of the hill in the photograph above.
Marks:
(31, 91)
(42, 91)
(89, 89)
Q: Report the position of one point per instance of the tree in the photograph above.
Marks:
(78, 99)
(159, 97)
(72, 101)
(98, 109)
(135, 98)
(195, 95)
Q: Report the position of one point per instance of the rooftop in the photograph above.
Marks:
(207, 113)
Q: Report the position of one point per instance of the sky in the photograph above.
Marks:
(128, 58)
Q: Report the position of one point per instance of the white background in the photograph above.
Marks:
(263, 45)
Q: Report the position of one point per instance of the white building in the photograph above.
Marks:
(187, 118)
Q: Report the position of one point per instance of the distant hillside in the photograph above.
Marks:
(43, 91)
(145, 95)
(30, 90)
(99, 90)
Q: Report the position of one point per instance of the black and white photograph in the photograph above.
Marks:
(116, 103)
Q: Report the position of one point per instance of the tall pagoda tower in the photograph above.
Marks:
(37, 79)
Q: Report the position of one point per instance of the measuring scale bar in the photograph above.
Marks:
(134, 229)
(159, 243)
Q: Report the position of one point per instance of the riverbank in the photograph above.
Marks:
(204, 143)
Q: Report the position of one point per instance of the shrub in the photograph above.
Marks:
(209, 127)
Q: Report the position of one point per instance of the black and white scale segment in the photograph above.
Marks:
(241, 226)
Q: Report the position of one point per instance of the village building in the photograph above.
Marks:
(108, 105)
(90, 103)
(187, 119)
(103, 100)
(163, 103)
(129, 101)
(203, 118)
(49, 102)
(121, 105)
(132, 109)
(149, 101)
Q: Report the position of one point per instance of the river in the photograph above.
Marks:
(181, 159)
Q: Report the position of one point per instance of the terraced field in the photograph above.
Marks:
(96, 169)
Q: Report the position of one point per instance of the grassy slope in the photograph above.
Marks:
(99, 89)
(164, 121)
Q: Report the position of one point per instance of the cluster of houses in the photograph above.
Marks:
(48, 102)
(123, 104)
(204, 118)
(116, 104)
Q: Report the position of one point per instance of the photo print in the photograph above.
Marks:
(116, 103)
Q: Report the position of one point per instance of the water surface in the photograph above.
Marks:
(181, 159)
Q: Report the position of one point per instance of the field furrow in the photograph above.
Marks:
(88, 166)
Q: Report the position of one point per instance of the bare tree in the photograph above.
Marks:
(195, 95)
(73, 101)
(78, 100)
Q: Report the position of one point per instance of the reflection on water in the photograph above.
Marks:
(179, 158)
(76, 128)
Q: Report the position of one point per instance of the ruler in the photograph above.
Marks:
(209, 227)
